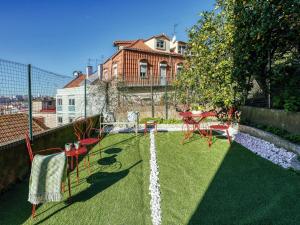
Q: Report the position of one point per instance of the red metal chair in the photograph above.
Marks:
(152, 124)
(31, 155)
(222, 127)
(188, 121)
(83, 129)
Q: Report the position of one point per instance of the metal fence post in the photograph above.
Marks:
(152, 100)
(85, 100)
(166, 98)
(29, 103)
(269, 80)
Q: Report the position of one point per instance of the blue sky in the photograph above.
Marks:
(60, 35)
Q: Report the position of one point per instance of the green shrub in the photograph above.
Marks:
(161, 120)
(292, 104)
(295, 138)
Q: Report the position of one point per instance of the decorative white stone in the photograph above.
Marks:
(154, 183)
(267, 150)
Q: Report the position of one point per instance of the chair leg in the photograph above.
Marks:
(228, 136)
(33, 210)
(77, 170)
(69, 184)
(210, 138)
(72, 162)
(84, 160)
(89, 168)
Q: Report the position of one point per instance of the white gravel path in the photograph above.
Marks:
(267, 150)
(154, 183)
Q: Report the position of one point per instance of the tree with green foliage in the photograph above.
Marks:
(266, 48)
(240, 41)
(207, 77)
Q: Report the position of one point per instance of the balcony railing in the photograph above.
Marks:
(146, 82)
(71, 108)
(59, 108)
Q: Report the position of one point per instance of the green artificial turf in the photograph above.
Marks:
(223, 185)
(115, 193)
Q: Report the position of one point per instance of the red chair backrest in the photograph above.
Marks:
(209, 114)
(186, 114)
(187, 117)
(83, 127)
(231, 113)
(28, 145)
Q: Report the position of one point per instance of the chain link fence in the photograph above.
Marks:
(35, 100)
(151, 99)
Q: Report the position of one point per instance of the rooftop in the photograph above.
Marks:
(76, 82)
(13, 126)
(226, 184)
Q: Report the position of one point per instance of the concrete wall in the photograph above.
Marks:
(146, 112)
(289, 121)
(49, 118)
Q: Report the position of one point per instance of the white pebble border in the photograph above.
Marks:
(154, 183)
(267, 150)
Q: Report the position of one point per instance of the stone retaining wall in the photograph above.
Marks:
(289, 121)
(270, 138)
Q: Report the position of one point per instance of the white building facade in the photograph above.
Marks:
(71, 103)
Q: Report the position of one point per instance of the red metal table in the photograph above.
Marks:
(82, 150)
(194, 120)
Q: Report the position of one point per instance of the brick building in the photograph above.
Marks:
(155, 60)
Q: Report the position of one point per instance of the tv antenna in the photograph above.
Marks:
(174, 32)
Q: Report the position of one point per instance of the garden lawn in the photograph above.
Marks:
(223, 185)
(116, 193)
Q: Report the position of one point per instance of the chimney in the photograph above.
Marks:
(99, 71)
(89, 71)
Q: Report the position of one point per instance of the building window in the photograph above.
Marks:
(59, 104)
(59, 120)
(115, 71)
(71, 101)
(71, 119)
(163, 73)
(160, 44)
(105, 74)
(181, 49)
(179, 68)
(143, 70)
(71, 104)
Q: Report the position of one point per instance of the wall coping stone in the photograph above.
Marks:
(267, 136)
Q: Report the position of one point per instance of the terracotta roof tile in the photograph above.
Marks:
(123, 42)
(14, 126)
(139, 44)
(154, 51)
(76, 82)
(159, 35)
